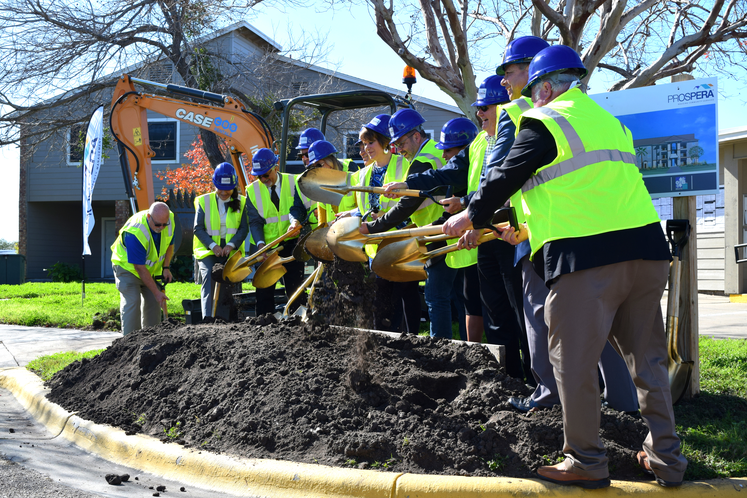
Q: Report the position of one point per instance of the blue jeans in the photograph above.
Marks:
(438, 287)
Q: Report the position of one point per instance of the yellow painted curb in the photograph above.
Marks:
(272, 478)
(738, 298)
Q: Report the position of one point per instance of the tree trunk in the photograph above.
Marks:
(210, 146)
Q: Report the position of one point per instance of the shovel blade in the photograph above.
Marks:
(269, 272)
(400, 261)
(311, 181)
(345, 241)
(679, 377)
(235, 270)
(316, 245)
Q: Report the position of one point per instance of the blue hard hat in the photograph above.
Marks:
(551, 60)
(224, 177)
(379, 124)
(491, 92)
(521, 50)
(263, 161)
(456, 133)
(308, 137)
(402, 122)
(319, 150)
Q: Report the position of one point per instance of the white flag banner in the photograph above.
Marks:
(91, 166)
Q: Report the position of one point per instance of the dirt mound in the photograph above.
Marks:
(320, 394)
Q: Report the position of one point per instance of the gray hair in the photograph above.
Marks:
(559, 82)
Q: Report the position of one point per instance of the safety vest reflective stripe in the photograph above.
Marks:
(523, 105)
(209, 216)
(212, 223)
(428, 211)
(575, 163)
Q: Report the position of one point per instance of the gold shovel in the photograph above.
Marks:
(330, 186)
(237, 269)
(404, 260)
(347, 243)
(271, 270)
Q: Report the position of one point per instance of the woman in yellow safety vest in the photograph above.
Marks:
(220, 228)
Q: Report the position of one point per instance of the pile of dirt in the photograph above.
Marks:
(315, 393)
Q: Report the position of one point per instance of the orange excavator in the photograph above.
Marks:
(243, 131)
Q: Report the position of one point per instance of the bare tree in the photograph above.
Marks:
(639, 41)
(54, 54)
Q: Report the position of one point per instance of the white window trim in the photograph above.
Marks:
(67, 146)
(177, 145)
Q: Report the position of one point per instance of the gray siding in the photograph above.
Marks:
(55, 234)
(711, 261)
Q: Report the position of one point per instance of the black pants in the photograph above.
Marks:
(500, 290)
(397, 304)
(292, 280)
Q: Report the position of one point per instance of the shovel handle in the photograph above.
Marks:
(300, 289)
(412, 232)
(453, 247)
(252, 258)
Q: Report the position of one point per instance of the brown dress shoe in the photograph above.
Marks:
(643, 462)
(560, 474)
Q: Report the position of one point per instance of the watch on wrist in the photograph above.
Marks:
(463, 203)
(166, 267)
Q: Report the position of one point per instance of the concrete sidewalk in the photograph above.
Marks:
(22, 344)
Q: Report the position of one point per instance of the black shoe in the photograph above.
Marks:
(522, 404)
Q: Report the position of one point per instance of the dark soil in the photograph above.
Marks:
(313, 393)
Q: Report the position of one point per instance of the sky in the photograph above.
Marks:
(356, 50)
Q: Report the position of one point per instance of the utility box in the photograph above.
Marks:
(12, 269)
(192, 311)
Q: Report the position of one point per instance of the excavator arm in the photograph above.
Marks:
(243, 131)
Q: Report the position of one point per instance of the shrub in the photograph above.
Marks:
(65, 272)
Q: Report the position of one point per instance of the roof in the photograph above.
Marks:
(689, 137)
(732, 134)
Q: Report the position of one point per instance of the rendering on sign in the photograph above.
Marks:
(675, 134)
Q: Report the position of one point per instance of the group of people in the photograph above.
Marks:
(572, 292)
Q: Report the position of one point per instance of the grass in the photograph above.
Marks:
(46, 366)
(51, 304)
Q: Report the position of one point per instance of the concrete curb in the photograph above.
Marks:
(271, 478)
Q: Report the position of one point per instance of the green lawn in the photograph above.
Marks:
(52, 304)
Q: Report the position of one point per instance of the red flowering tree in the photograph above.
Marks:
(198, 176)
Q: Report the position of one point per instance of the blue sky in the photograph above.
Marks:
(355, 50)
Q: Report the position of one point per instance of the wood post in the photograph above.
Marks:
(684, 209)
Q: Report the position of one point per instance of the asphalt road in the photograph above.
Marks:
(34, 464)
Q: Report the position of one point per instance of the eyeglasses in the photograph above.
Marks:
(265, 176)
(483, 108)
(303, 154)
(398, 144)
(159, 225)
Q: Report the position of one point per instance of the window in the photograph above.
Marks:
(75, 144)
(674, 146)
(164, 139)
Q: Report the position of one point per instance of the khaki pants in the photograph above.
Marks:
(131, 290)
(619, 302)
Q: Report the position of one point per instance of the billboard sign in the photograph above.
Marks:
(675, 134)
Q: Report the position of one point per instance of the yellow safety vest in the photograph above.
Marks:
(593, 186)
(429, 211)
(276, 222)
(396, 171)
(138, 226)
(465, 258)
(209, 205)
(515, 109)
